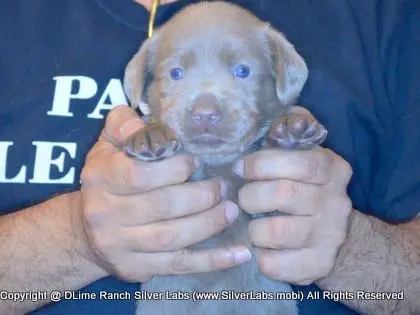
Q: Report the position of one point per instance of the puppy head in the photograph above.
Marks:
(217, 76)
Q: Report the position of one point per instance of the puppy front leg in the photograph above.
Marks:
(298, 129)
(154, 142)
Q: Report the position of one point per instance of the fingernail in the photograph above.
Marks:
(223, 189)
(242, 256)
(238, 168)
(231, 212)
(130, 126)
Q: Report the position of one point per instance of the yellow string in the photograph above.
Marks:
(153, 11)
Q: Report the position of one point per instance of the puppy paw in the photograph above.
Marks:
(152, 143)
(296, 131)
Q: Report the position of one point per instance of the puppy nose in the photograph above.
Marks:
(207, 115)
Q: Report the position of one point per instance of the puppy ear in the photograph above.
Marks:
(136, 74)
(289, 68)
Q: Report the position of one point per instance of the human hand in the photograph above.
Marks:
(140, 216)
(311, 187)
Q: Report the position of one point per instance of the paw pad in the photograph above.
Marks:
(296, 131)
(152, 143)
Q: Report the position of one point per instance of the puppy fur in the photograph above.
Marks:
(236, 116)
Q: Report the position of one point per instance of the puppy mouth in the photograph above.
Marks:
(207, 140)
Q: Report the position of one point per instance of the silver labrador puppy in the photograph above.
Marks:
(218, 83)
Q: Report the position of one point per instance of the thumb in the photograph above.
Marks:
(121, 122)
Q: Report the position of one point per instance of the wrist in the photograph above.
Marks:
(81, 247)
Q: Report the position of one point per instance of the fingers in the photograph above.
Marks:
(310, 186)
(123, 176)
(282, 232)
(193, 261)
(311, 166)
(296, 266)
(287, 196)
(179, 233)
(165, 203)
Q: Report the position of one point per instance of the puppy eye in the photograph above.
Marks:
(176, 73)
(241, 71)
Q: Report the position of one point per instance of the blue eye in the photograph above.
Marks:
(241, 71)
(177, 73)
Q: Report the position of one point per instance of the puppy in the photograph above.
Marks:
(216, 82)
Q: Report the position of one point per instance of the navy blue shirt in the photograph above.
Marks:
(61, 65)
